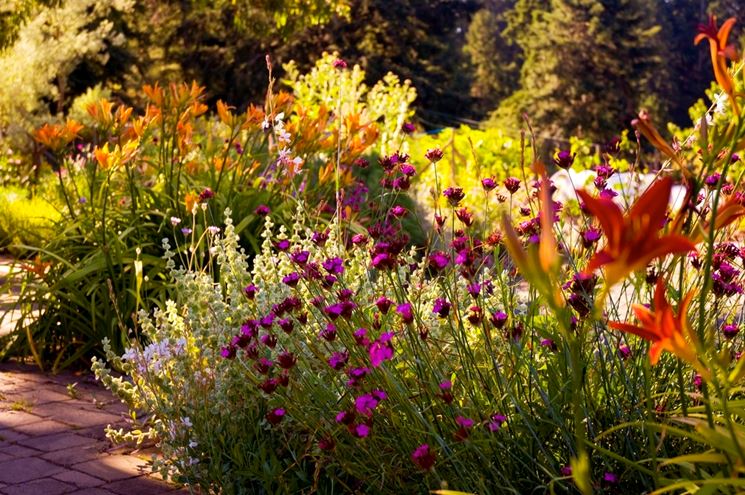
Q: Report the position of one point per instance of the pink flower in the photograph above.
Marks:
(423, 457)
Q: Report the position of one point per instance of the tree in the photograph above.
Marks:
(495, 58)
(589, 65)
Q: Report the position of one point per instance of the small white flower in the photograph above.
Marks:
(193, 444)
(186, 422)
(213, 230)
(175, 221)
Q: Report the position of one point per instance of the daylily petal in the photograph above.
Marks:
(608, 214)
(653, 202)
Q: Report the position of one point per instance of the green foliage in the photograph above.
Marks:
(493, 56)
(387, 103)
(25, 220)
(35, 70)
(589, 66)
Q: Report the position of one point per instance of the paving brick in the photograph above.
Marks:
(77, 455)
(93, 491)
(142, 485)
(26, 469)
(11, 419)
(76, 415)
(80, 480)
(10, 435)
(60, 441)
(38, 395)
(18, 451)
(42, 428)
(47, 486)
(113, 467)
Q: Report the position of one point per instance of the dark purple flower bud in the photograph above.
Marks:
(329, 333)
(269, 385)
(495, 422)
(433, 155)
(361, 162)
(339, 64)
(263, 365)
(475, 315)
(564, 159)
(512, 184)
(408, 169)
(320, 238)
(360, 337)
(286, 325)
(206, 195)
(383, 304)
(454, 195)
(250, 291)
(590, 237)
(408, 128)
(604, 171)
(610, 479)
(549, 344)
(286, 360)
(267, 321)
(251, 350)
(345, 417)
(713, 179)
(269, 340)
(698, 382)
(624, 351)
(291, 280)
(326, 443)
(359, 239)
(262, 210)
(474, 289)
(498, 319)
(730, 330)
(488, 184)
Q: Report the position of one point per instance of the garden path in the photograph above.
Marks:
(52, 430)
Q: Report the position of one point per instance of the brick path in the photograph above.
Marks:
(53, 443)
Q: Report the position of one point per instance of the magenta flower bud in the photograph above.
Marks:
(406, 312)
(488, 184)
(262, 210)
(339, 64)
(383, 304)
(423, 457)
(454, 195)
(564, 159)
(434, 155)
(512, 184)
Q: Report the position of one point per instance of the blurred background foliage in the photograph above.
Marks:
(578, 67)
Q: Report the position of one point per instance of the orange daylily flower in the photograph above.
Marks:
(666, 330)
(720, 52)
(727, 213)
(633, 240)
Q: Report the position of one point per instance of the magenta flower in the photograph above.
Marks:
(269, 340)
(408, 128)
(383, 304)
(338, 360)
(282, 245)
(464, 422)
(512, 184)
(356, 375)
(339, 64)
(361, 431)
(474, 289)
(423, 457)
(441, 307)
(291, 280)
(381, 350)
(333, 265)
(262, 210)
(365, 404)
(439, 260)
(406, 312)
(286, 325)
(228, 352)
(275, 415)
(263, 365)
(269, 385)
(408, 169)
(344, 417)
(465, 216)
(300, 257)
(397, 211)
(495, 422)
(624, 351)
